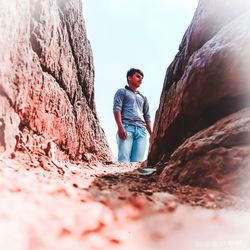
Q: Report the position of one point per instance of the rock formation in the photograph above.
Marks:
(46, 80)
(46, 100)
(202, 135)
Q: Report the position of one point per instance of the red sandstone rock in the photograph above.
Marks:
(47, 78)
(207, 82)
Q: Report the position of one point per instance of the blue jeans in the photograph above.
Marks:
(133, 148)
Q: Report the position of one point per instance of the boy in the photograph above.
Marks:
(131, 112)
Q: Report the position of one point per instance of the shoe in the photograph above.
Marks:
(146, 171)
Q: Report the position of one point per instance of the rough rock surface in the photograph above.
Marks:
(97, 206)
(46, 103)
(46, 97)
(46, 79)
(201, 132)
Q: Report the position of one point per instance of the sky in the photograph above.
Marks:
(125, 34)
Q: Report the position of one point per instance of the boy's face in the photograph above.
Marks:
(135, 80)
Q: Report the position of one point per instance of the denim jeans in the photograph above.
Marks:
(133, 148)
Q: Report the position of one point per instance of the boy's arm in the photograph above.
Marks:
(149, 128)
(147, 116)
(117, 107)
(121, 131)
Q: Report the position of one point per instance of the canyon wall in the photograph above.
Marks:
(47, 79)
(202, 128)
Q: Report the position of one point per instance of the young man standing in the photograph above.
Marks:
(131, 111)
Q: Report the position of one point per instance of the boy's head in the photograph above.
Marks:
(133, 71)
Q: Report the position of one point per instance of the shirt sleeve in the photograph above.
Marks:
(118, 100)
(146, 112)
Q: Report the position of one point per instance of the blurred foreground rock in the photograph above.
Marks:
(111, 207)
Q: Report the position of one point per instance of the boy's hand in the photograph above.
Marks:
(122, 133)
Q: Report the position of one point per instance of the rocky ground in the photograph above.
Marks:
(51, 205)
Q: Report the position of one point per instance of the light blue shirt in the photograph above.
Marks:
(133, 106)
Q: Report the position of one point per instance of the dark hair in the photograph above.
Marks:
(132, 71)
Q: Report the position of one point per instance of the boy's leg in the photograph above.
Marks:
(125, 147)
(139, 145)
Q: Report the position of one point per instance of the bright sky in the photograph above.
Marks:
(144, 34)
